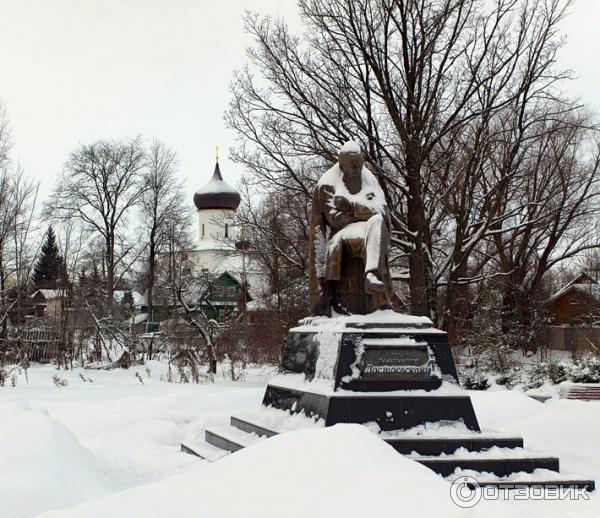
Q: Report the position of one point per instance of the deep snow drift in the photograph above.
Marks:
(339, 471)
(43, 466)
(134, 430)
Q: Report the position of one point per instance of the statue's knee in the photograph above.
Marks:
(375, 220)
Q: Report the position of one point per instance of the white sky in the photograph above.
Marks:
(74, 71)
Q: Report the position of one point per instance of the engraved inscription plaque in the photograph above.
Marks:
(414, 363)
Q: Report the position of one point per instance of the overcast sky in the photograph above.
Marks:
(74, 71)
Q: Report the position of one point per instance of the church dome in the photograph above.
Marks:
(217, 194)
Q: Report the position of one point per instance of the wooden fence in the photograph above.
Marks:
(38, 344)
(574, 338)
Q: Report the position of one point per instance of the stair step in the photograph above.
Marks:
(405, 444)
(247, 425)
(230, 438)
(445, 465)
(509, 467)
(432, 446)
(204, 451)
(588, 391)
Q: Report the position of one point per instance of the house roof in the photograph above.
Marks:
(138, 298)
(137, 319)
(583, 283)
(49, 294)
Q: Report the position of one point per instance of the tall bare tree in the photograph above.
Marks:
(17, 202)
(161, 203)
(555, 213)
(406, 78)
(100, 185)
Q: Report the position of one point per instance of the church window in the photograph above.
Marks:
(202, 229)
(226, 230)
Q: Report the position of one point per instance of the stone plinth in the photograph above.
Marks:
(393, 369)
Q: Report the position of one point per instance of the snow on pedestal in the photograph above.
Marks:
(328, 333)
(381, 320)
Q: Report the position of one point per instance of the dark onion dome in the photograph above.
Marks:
(217, 194)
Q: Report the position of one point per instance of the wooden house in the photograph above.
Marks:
(577, 303)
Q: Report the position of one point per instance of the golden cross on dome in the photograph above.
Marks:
(217, 154)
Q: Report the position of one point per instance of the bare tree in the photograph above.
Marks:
(276, 233)
(556, 202)
(161, 203)
(406, 78)
(186, 293)
(101, 183)
(17, 202)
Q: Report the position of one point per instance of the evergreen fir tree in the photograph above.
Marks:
(50, 266)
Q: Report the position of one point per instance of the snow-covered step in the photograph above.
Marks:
(584, 391)
(204, 451)
(230, 438)
(490, 458)
(248, 424)
(539, 477)
(273, 421)
(433, 446)
(499, 461)
(269, 423)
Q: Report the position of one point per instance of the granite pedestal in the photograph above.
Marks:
(391, 369)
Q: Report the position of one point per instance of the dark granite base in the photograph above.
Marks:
(389, 412)
(301, 353)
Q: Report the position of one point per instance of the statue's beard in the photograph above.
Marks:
(353, 180)
(351, 167)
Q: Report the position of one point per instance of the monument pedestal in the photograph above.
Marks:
(392, 369)
(396, 375)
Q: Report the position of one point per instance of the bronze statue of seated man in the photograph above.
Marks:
(350, 220)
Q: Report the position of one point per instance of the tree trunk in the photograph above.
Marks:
(420, 296)
(110, 273)
(151, 278)
(456, 308)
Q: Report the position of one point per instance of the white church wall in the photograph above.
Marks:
(216, 225)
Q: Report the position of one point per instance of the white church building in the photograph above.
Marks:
(219, 248)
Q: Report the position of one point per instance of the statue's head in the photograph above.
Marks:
(351, 159)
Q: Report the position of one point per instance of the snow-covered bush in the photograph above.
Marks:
(44, 464)
(59, 382)
(474, 380)
(487, 356)
(540, 373)
(585, 369)
(10, 373)
(508, 379)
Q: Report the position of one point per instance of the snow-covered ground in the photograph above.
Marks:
(111, 448)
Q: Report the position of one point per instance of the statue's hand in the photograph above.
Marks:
(343, 204)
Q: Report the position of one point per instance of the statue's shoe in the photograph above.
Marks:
(373, 284)
(339, 310)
